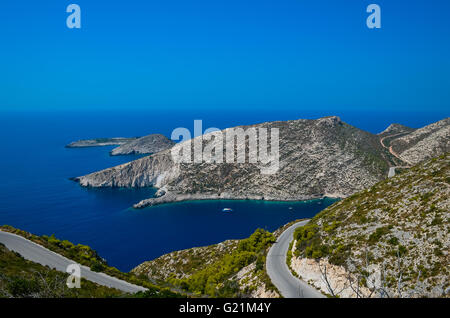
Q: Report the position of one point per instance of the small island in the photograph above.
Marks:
(128, 146)
(100, 142)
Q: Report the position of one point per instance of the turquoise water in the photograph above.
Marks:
(36, 194)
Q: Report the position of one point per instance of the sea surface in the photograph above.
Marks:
(36, 194)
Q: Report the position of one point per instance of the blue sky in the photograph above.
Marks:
(225, 55)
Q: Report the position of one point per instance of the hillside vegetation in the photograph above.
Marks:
(392, 239)
(228, 269)
(85, 255)
(25, 279)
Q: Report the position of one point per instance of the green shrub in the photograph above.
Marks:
(378, 234)
(393, 241)
(309, 242)
(20, 287)
(436, 221)
(402, 250)
(97, 267)
(213, 280)
(339, 254)
(438, 252)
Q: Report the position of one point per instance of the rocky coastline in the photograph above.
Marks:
(317, 158)
(170, 197)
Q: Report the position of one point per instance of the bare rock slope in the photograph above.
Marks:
(424, 143)
(317, 158)
(323, 157)
(145, 145)
(396, 129)
(388, 241)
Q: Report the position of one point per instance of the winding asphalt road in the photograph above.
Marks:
(278, 271)
(39, 254)
(392, 169)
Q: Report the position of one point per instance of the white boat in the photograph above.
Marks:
(227, 210)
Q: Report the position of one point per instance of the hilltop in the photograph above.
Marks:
(396, 129)
(145, 145)
(318, 158)
(423, 143)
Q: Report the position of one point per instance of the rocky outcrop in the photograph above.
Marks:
(424, 143)
(100, 142)
(388, 241)
(145, 145)
(171, 197)
(144, 172)
(395, 129)
(251, 284)
(318, 158)
(312, 272)
(249, 278)
(183, 263)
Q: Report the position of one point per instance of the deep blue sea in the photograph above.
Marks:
(36, 194)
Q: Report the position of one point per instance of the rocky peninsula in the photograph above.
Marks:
(319, 158)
